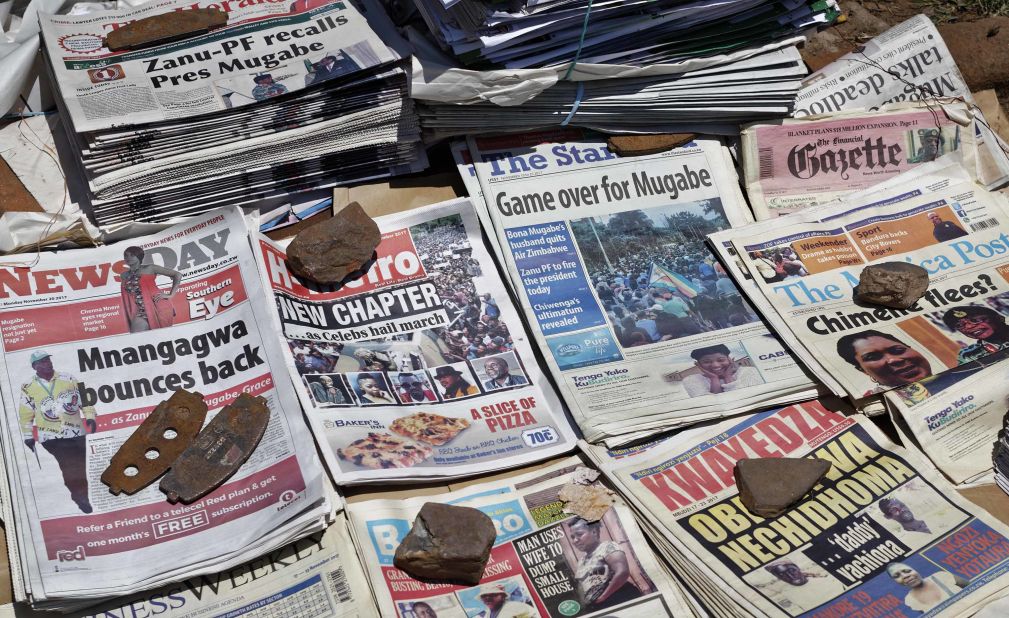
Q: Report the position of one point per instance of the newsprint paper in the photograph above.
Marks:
(421, 368)
(879, 536)
(639, 323)
(92, 341)
(545, 563)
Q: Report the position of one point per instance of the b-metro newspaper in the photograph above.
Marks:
(421, 368)
(641, 327)
(545, 563)
(879, 535)
(92, 341)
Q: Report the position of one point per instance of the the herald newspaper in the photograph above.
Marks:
(92, 341)
(795, 163)
(879, 535)
(284, 40)
(545, 563)
(421, 367)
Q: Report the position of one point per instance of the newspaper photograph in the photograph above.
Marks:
(807, 270)
(796, 163)
(92, 341)
(545, 562)
(638, 321)
(909, 62)
(879, 535)
(266, 50)
(420, 368)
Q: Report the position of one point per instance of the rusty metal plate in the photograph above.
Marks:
(220, 449)
(156, 443)
(165, 28)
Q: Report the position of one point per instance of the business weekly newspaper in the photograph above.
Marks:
(92, 341)
(421, 368)
(641, 326)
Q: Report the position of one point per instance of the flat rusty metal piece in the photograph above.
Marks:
(182, 414)
(165, 28)
(640, 145)
(219, 451)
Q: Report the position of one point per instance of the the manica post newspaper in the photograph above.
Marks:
(545, 563)
(957, 233)
(93, 340)
(421, 368)
(796, 163)
(641, 326)
(319, 576)
(880, 535)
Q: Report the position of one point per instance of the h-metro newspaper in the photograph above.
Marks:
(421, 367)
(640, 325)
(880, 535)
(93, 340)
(215, 71)
(545, 563)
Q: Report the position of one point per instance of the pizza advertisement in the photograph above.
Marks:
(420, 368)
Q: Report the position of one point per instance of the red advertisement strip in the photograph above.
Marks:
(132, 418)
(77, 538)
(194, 300)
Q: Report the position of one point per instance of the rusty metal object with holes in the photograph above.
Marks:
(165, 28)
(220, 449)
(156, 443)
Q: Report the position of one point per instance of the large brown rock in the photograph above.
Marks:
(447, 543)
(892, 284)
(769, 485)
(330, 250)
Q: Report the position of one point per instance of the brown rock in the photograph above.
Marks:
(164, 28)
(330, 250)
(590, 502)
(447, 543)
(639, 145)
(769, 485)
(892, 284)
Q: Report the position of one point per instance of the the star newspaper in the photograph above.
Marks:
(879, 535)
(92, 341)
(795, 163)
(929, 360)
(545, 562)
(639, 323)
(908, 62)
(421, 368)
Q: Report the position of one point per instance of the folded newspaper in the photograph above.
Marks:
(545, 563)
(286, 98)
(420, 369)
(92, 341)
(879, 536)
(640, 325)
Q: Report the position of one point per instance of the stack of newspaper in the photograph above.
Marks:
(640, 325)
(880, 535)
(546, 562)
(284, 99)
(92, 340)
(532, 33)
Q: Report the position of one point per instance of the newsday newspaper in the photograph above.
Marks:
(92, 341)
(421, 368)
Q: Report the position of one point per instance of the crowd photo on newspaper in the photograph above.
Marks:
(527, 309)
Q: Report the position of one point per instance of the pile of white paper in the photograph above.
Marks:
(282, 100)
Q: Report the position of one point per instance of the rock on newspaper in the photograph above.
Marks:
(420, 368)
(639, 323)
(93, 340)
(545, 563)
(879, 536)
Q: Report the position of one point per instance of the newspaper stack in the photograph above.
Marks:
(530, 33)
(546, 561)
(284, 99)
(92, 340)
(640, 325)
(880, 535)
